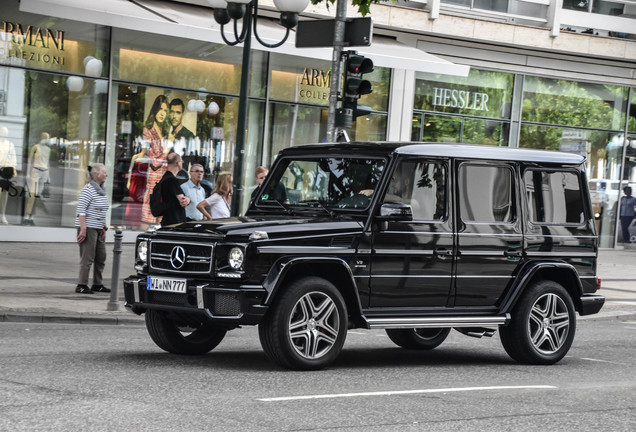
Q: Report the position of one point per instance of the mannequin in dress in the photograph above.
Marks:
(37, 174)
(8, 162)
(137, 179)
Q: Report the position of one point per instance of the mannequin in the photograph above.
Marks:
(137, 179)
(8, 162)
(37, 174)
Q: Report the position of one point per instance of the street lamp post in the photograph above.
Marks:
(247, 12)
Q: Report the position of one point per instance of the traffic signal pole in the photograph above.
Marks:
(336, 72)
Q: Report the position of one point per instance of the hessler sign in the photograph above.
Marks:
(464, 99)
(315, 85)
(27, 43)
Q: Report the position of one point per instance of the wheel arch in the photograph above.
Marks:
(332, 269)
(562, 273)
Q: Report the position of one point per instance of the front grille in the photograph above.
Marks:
(197, 257)
(223, 304)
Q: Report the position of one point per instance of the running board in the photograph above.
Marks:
(437, 322)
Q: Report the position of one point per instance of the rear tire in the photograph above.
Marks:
(180, 339)
(542, 327)
(418, 338)
(306, 327)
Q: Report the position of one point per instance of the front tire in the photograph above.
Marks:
(306, 327)
(543, 324)
(418, 338)
(180, 339)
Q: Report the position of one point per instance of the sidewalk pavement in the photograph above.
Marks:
(37, 284)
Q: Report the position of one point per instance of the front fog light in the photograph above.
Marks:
(142, 251)
(235, 258)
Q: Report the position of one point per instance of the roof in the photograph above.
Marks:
(443, 150)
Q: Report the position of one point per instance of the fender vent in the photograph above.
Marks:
(343, 241)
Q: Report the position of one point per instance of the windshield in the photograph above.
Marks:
(323, 182)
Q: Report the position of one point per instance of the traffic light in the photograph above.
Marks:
(354, 86)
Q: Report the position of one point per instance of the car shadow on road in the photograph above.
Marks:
(256, 360)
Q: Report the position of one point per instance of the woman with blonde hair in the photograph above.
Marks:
(220, 200)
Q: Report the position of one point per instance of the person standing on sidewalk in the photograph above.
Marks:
(628, 203)
(172, 195)
(91, 230)
(193, 190)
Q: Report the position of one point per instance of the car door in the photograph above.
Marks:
(489, 231)
(412, 261)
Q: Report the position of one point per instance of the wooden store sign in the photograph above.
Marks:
(31, 43)
(314, 86)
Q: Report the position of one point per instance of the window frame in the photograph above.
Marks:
(584, 207)
(513, 192)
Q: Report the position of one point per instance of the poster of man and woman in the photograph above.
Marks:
(168, 127)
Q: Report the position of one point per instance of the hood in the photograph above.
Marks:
(242, 227)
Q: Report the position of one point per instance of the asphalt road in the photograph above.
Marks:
(110, 378)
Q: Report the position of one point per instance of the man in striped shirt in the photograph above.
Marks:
(91, 230)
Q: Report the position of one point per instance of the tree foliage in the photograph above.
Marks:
(363, 5)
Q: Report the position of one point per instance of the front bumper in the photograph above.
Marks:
(591, 304)
(231, 305)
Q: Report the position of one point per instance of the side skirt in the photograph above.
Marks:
(436, 322)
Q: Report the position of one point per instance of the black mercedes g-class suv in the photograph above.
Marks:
(413, 238)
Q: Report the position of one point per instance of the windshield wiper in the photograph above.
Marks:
(288, 210)
(321, 205)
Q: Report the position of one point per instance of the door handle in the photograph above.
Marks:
(513, 253)
(442, 253)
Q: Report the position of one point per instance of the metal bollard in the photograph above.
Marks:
(114, 304)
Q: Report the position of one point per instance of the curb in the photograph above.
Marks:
(48, 318)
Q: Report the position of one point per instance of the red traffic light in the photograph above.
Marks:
(359, 64)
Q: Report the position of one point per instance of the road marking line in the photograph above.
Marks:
(404, 392)
(602, 361)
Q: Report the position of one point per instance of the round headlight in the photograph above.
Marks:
(142, 251)
(235, 258)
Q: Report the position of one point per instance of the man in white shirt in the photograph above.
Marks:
(193, 190)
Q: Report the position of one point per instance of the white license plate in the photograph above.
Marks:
(166, 284)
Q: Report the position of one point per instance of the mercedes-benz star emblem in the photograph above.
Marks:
(177, 257)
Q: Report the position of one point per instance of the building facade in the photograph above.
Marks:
(127, 85)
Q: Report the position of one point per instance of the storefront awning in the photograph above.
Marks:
(196, 22)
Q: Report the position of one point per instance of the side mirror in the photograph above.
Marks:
(395, 211)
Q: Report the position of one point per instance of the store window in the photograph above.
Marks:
(300, 88)
(51, 44)
(53, 127)
(473, 109)
(52, 114)
(586, 119)
(574, 103)
(169, 61)
(152, 122)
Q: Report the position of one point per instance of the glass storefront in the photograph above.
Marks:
(474, 109)
(562, 115)
(63, 106)
(583, 118)
(52, 114)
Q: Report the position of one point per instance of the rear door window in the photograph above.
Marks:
(486, 193)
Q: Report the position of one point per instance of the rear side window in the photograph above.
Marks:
(486, 194)
(554, 197)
